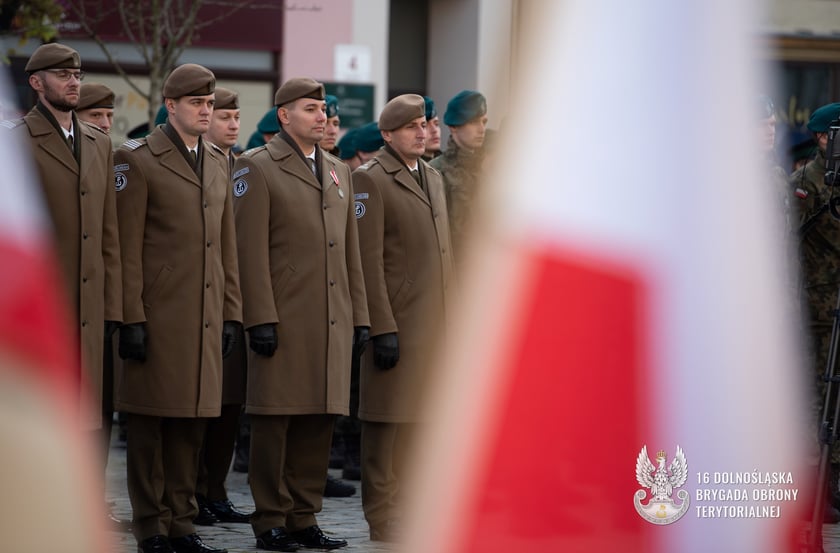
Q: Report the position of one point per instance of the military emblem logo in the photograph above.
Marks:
(360, 210)
(120, 181)
(661, 482)
(240, 187)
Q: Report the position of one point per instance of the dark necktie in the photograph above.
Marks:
(415, 174)
(194, 156)
(70, 143)
(312, 166)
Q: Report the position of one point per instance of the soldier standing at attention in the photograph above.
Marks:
(75, 165)
(298, 245)
(182, 305)
(407, 262)
(96, 106)
(220, 436)
(432, 130)
(462, 163)
(330, 140)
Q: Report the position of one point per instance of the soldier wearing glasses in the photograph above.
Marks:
(76, 169)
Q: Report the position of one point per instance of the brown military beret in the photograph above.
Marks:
(299, 87)
(189, 79)
(401, 110)
(226, 99)
(53, 56)
(95, 95)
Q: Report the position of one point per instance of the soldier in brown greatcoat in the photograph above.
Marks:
(182, 305)
(407, 261)
(75, 164)
(220, 436)
(298, 245)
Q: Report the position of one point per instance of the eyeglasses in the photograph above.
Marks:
(64, 75)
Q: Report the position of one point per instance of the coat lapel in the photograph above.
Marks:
(290, 162)
(50, 141)
(401, 175)
(170, 157)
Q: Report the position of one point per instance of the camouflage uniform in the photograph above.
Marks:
(462, 171)
(819, 253)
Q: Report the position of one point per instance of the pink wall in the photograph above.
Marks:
(312, 28)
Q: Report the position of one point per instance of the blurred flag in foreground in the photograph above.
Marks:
(51, 500)
(626, 298)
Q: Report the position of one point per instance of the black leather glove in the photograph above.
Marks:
(361, 335)
(229, 333)
(110, 328)
(133, 341)
(386, 350)
(263, 339)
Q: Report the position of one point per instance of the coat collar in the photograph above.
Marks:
(51, 138)
(161, 146)
(399, 172)
(291, 162)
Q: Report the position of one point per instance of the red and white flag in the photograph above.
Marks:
(626, 297)
(51, 494)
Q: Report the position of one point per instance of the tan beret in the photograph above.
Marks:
(226, 99)
(401, 110)
(189, 79)
(299, 87)
(53, 56)
(95, 95)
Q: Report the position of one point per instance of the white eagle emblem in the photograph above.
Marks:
(661, 481)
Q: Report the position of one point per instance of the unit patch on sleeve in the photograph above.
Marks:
(240, 187)
(120, 181)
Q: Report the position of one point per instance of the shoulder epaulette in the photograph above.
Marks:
(132, 144)
(252, 151)
(11, 123)
(214, 147)
(368, 164)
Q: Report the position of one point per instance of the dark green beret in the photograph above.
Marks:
(299, 87)
(347, 144)
(821, 118)
(162, 116)
(269, 123)
(332, 105)
(226, 99)
(53, 56)
(431, 112)
(368, 138)
(95, 95)
(189, 79)
(139, 131)
(256, 139)
(464, 107)
(401, 110)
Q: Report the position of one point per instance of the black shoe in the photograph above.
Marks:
(224, 511)
(155, 544)
(315, 538)
(205, 516)
(191, 543)
(276, 539)
(337, 488)
(350, 472)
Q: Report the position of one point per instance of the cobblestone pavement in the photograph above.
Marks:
(340, 518)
